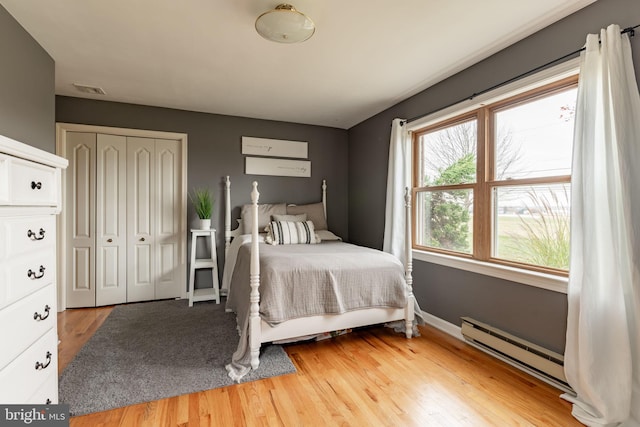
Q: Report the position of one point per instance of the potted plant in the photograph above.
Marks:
(203, 204)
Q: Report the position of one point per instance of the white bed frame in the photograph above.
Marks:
(261, 332)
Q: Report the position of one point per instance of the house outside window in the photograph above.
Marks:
(493, 184)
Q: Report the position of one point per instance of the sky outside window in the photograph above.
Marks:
(541, 133)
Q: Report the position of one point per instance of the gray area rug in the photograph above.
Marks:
(153, 350)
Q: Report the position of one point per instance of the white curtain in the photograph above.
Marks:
(398, 178)
(602, 355)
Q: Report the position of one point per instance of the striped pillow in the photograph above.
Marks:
(292, 233)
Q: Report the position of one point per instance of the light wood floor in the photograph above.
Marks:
(371, 377)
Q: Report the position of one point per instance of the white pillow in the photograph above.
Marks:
(276, 217)
(291, 233)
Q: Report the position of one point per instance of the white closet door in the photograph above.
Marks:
(124, 210)
(80, 219)
(169, 236)
(111, 227)
(141, 195)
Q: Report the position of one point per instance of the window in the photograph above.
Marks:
(493, 184)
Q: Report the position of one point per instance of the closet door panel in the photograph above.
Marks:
(168, 160)
(80, 219)
(111, 227)
(141, 193)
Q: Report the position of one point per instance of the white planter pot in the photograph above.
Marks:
(205, 224)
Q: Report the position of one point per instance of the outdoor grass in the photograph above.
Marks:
(533, 239)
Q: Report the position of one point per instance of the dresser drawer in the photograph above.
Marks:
(29, 319)
(26, 234)
(32, 184)
(26, 274)
(29, 372)
(47, 394)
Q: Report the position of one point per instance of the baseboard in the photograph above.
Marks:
(456, 332)
(438, 323)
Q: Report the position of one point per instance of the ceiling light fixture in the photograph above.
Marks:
(285, 24)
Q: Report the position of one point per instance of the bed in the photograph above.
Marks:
(296, 281)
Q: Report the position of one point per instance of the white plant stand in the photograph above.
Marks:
(204, 294)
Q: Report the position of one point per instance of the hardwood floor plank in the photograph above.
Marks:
(372, 376)
(182, 415)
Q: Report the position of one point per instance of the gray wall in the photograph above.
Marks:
(534, 314)
(214, 151)
(27, 87)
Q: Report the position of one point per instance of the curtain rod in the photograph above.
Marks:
(629, 30)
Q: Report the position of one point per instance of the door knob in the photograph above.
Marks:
(109, 240)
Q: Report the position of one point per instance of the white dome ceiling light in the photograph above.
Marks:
(285, 24)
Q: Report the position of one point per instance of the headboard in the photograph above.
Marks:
(229, 234)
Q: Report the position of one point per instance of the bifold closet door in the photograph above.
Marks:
(111, 214)
(95, 219)
(153, 219)
(80, 217)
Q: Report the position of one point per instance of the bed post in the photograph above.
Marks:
(324, 197)
(254, 282)
(227, 214)
(408, 265)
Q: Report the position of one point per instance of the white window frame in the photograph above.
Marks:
(518, 275)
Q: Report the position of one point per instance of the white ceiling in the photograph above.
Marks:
(204, 55)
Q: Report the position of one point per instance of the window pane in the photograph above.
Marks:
(448, 155)
(535, 139)
(444, 220)
(531, 224)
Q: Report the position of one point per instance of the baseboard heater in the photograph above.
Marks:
(538, 361)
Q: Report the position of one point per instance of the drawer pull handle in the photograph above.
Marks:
(40, 366)
(142, 239)
(38, 316)
(109, 240)
(36, 185)
(33, 236)
(48, 402)
(33, 275)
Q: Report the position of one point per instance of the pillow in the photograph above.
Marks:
(264, 215)
(278, 217)
(295, 218)
(291, 233)
(314, 211)
(326, 235)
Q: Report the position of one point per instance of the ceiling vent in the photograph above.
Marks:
(93, 90)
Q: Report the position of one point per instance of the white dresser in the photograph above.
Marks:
(30, 198)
